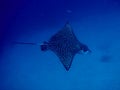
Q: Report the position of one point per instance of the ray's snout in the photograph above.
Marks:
(85, 49)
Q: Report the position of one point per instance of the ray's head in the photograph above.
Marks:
(84, 49)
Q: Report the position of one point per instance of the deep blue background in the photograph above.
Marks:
(43, 13)
(95, 22)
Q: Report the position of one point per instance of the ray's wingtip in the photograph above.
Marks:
(67, 25)
(67, 68)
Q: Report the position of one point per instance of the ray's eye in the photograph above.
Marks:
(84, 48)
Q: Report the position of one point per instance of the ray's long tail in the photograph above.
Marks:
(43, 46)
(26, 43)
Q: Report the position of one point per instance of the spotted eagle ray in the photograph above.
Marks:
(64, 44)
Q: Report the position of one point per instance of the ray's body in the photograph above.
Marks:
(65, 45)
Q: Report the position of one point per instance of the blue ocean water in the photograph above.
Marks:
(25, 67)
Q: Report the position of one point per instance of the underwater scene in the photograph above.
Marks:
(60, 45)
